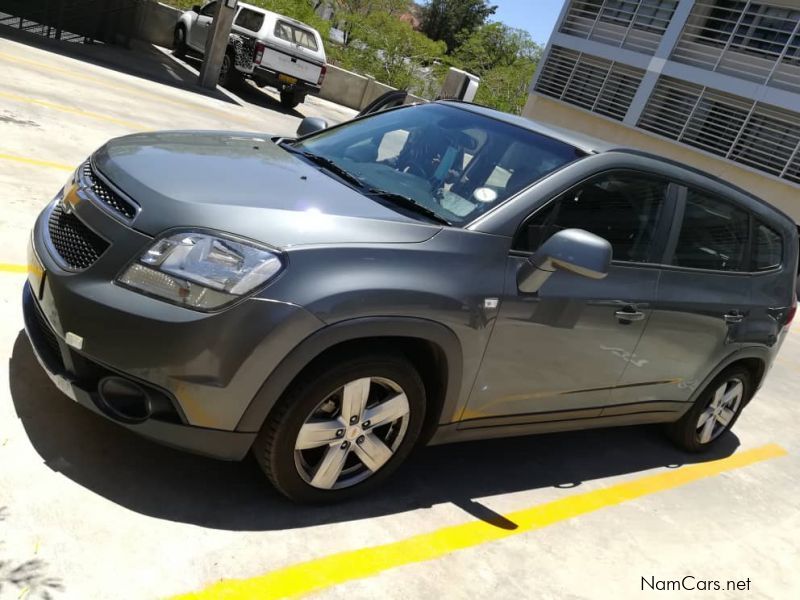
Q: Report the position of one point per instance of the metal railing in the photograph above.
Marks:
(593, 83)
(751, 40)
(751, 133)
(634, 24)
(72, 20)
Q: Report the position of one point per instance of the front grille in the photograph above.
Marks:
(105, 194)
(77, 245)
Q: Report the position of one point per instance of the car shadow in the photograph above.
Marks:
(164, 483)
(141, 60)
(249, 92)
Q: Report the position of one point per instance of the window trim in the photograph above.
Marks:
(661, 232)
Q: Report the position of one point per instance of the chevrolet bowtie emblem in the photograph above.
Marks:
(70, 199)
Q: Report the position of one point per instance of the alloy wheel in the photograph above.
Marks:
(721, 410)
(352, 433)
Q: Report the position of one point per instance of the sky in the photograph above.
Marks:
(536, 16)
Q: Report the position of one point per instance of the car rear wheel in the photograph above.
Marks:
(343, 429)
(229, 77)
(289, 99)
(179, 41)
(715, 411)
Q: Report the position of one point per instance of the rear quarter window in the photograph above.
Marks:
(767, 248)
(250, 19)
(713, 235)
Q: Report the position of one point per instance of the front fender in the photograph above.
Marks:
(351, 330)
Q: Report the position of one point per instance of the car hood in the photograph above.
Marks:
(245, 184)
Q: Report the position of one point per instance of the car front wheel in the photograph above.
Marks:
(179, 41)
(343, 429)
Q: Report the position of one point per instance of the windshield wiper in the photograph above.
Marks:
(408, 203)
(328, 164)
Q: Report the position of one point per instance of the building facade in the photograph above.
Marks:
(711, 83)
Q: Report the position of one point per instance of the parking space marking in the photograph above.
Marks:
(339, 568)
(131, 90)
(11, 268)
(75, 111)
(36, 162)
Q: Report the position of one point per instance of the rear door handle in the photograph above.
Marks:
(629, 314)
(733, 316)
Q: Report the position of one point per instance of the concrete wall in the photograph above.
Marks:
(784, 195)
(156, 22)
(353, 90)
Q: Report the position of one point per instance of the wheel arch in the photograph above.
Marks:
(754, 359)
(430, 346)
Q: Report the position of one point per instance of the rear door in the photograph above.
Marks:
(294, 52)
(703, 302)
(198, 34)
(557, 354)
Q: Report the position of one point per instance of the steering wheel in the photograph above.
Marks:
(416, 170)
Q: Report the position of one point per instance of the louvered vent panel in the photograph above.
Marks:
(592, 83)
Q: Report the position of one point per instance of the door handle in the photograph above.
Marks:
(629, 314)
(733, 316)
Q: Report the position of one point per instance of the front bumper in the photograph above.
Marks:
(209, 366)
(50, 352)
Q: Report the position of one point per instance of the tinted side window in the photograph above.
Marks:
(713, 235)
(767, 248)
(208, 9)
(623, 208)
(250, 19)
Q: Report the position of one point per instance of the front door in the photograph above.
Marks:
(557, 354)
(198, 34)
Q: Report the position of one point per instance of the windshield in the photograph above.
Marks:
(455, 163)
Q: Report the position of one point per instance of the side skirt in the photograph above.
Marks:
(631, 414)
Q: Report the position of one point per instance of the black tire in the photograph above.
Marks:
(289, 99)
(274, 448)
(229, 77)
(685, 432)
(179, 41)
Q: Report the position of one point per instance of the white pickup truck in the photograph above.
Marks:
(268, 48)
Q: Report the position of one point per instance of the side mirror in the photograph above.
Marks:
(311, 125)
(196, 8)
(573, 250)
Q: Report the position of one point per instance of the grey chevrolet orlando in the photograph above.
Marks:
(422, 275)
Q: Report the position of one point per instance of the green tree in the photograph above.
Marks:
(389, 50)
(495, 45)
(451, 20)
(505, 58)
(349, 13)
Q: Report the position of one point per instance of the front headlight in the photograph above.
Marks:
(200, 270)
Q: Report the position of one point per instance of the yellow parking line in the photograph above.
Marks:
(129, 90)
(75, 111)
(9, 268)
(338, 568)
(37, 162)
